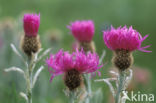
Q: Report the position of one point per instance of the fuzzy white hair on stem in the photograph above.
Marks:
(129, 75)
(24, 96)
(16, 69)
(18, 54)
(28, 74)
(102, 56)
(37, 75)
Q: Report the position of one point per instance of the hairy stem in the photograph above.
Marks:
(29, 88)
(29, 80)
(88, 88)
(120, 87)
(71, 97)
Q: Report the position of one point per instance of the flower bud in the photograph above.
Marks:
(31, 23)
(30, 42)
(83, 31)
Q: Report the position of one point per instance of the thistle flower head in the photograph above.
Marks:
(63, 62)
(124, 38)
(83, 31)
(31, 23)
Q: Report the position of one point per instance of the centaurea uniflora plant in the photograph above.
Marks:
(123, 41)
(72, 67)
(30, 45)
(83, 32)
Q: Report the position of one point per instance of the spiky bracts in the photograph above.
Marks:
(30, 45)
(87, 46)
(122, 59)
(72, 79)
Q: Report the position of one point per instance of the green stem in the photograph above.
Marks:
(71, 97)
(88, 87)
(29, 80)
(120, 87)
(29, 88)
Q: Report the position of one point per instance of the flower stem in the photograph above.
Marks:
(29, 80)
(120, 87)
(71, 97)
(29, 88)
(88, 87)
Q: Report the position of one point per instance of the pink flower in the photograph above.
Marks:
(63, 62)
(124, 38)
(83, 31)
(31, 24)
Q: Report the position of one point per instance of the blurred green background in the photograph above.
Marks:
(55, 16)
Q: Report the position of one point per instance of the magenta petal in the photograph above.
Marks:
(144, 50)
(31, 23)
(62, 62)
(99, 73)
(82, 30)
(144, 38)
(145, 47)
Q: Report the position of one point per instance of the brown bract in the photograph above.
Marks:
(30, 45)
(72, 79)
(122, 59)
(87, 46)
